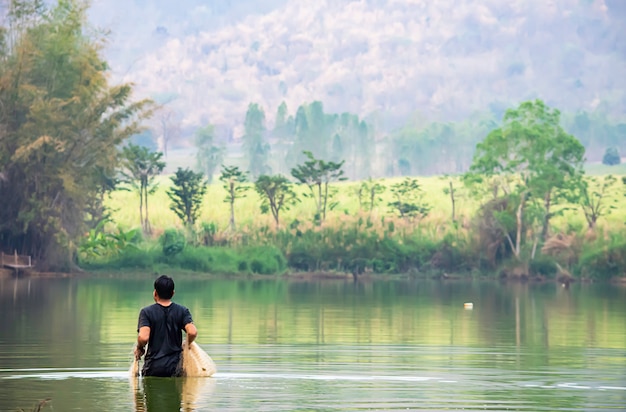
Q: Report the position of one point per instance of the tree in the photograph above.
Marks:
(257, 149)
(167, 126)
(409, 199)
(276, 195)
(60, 124)
(317, 175)
(453, 192)
(208, 155)
(369, 192)
(283, 134)
(234, 183)
(530, 158)
(611, 157)
(594, 199)
(140, 166)
(186, 195)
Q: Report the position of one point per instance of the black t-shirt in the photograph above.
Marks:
(165, 344)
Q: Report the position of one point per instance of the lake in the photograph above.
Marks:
(328, 345)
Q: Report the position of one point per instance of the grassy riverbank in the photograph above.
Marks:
(355, 241)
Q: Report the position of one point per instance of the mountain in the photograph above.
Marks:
(442, 59)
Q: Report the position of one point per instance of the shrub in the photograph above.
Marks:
(543, 265)
(604, 260)
(611, 157)
(172, 242)
(265, 260)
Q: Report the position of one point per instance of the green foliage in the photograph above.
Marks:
(208, 155)
(172, 242)
(533, 162)
(604, 259)
(611, 157)
(186, 195)
(234, 183)
(99, 244)
(409, 201)
(139, 167)
(255, 145)
(264, 260)
(317, 175)
(207, 233)
(276, 194)
(60, 123)
(593, 196)
(330, 136)
(543, 265)
(368, 193)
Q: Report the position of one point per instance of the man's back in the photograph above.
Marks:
(166, 324)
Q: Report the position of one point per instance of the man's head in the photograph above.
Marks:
(164, 287)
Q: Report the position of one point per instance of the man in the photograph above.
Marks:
(160, 327)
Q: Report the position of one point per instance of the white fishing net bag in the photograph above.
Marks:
(196, 362)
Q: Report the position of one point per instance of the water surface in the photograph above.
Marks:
(321, 346)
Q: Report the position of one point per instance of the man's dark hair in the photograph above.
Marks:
(164, 286)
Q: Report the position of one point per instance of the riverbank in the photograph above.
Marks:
(307, 276)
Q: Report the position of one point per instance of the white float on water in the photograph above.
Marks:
(468, 305)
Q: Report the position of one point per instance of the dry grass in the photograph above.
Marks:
(249, 219)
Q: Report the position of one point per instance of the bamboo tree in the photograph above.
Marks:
(60, 123)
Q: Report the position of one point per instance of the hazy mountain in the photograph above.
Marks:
(444, 58)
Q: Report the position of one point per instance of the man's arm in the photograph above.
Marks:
(192, 332)
(142, 341)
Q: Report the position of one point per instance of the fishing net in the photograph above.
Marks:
(196, 362)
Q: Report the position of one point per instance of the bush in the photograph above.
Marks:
(604, 260)
(264, 260)
(172, 241)
(611, 157)
(543, 265)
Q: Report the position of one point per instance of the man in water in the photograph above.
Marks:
(160, 327)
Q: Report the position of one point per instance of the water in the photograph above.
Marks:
(321, 346)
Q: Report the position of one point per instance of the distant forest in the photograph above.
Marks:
(418, 148)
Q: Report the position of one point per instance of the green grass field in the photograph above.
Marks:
(125, 206)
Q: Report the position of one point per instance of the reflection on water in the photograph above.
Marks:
(329, 346)
(171, 394)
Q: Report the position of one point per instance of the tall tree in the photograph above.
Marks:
(140, 167)
(276, 193)
(187, 192)
(533, 159)
(234, 183)
(167, 127)
(257, 149)
(283, 134)
(317, 174)
(60, 123)
(208, 156)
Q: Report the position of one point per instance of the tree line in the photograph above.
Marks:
(420, 147)
(64, 145)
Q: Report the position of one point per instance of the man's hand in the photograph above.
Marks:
(139, 352)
